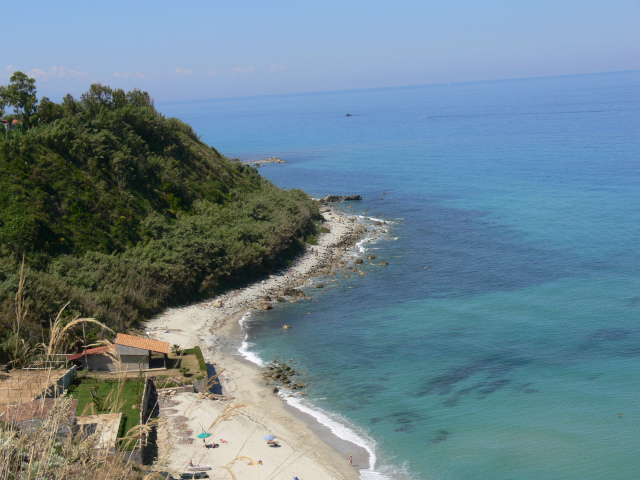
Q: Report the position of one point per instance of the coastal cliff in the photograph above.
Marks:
(122, 212)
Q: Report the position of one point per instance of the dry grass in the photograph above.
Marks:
(50, 449)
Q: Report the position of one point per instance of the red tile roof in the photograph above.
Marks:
(142, 343)
(37, 409)
(90, 351)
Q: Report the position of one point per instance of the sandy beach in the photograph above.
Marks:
(249, 410)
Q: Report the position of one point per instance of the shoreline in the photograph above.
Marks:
(215, 326)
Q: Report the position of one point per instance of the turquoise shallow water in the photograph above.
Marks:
(502, 341)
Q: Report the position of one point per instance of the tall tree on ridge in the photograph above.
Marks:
(21, 95)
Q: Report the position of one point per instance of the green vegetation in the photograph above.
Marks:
(198, 353)
(107, 395)
(122, 212)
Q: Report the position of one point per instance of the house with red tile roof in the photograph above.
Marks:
(128, 352)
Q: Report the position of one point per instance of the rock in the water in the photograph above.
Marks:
(266, 306)
(358, 261)
(319, 285)
(281, 299)
(286, 327)
(339, 198)
(383, 263)
(371, 257)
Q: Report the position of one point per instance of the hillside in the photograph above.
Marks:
(121, 212)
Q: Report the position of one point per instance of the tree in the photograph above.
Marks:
(2, 101)
(97, 97)
(21, 95)
(48, 111)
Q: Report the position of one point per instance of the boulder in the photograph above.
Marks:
(358, 261)
(266, 306)
(217, 303)
(281, 299)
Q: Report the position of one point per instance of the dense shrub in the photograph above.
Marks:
(123, 212)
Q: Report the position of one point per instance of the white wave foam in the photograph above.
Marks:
(340, 427)
(374, 219)
(244, 347)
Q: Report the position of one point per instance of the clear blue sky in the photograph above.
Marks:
(215, 48)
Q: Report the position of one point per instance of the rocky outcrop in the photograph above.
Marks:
(257, 163)
(339, 198)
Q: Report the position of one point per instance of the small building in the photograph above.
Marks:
(30, 415)
(135, 351)
(128, 352)
(11, 124)
(100, 359)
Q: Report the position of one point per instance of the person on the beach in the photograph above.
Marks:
(351, 460)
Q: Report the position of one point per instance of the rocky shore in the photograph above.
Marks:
(214, 326)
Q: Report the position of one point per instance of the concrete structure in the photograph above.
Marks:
(105, 426)
(20, 386)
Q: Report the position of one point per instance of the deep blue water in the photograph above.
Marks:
(503, 338)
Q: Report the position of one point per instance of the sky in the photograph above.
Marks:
(214, 49)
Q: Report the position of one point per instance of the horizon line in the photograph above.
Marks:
(345, 90)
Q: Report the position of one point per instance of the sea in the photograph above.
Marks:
(502, 340)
